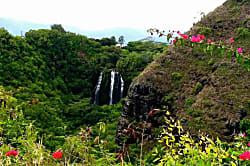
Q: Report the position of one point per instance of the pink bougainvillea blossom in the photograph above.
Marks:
(208, 41)
(239, 50)
(231, 40)
(245, 156)
(193, 39)
(12, 153)
(198, 39)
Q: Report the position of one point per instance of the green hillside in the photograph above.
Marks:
(183, 104)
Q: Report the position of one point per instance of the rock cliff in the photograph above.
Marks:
(208, 93)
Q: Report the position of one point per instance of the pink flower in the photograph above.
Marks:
(170, 42)
(239, 50)
(198, 39)
(208, 41)
(248, 144)
(57, 155)
(174, 41)
(231, 40)
(12, 153)
(178, 32)
(193, 39)
(245, 156)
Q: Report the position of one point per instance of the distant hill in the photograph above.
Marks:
(19, 27)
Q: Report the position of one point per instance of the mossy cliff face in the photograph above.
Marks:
(207, 93)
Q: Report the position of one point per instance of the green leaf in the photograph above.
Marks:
(156, 159)
(211, 50)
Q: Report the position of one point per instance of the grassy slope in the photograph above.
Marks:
(215, 108)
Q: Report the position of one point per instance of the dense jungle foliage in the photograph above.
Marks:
(53, 74)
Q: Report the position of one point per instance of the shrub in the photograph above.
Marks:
(179, 148)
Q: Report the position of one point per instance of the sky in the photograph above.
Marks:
(106, 14)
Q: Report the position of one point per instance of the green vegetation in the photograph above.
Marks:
(205, 30)
(176, 75)
(189, 102)
(197, 88)
(53, 74)
(48, 78)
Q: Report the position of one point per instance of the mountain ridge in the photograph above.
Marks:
(19, 27)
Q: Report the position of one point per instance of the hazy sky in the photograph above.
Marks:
(102, 14)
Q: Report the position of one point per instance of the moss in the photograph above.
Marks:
(167, 63)
(207, 103)
(205, 30)
(198, 120)
(176, 75)
(219, 20)
(235, 9)
(169, 99)
(243, 32)
(217, 106)
(198, 87)
(189, 102)
(156, 66)
(195, 112)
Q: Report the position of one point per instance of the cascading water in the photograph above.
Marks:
(112, 87)
(97, 90)
(122, 86)
(115, 89)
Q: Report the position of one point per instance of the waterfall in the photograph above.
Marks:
(122, 86)
(114, 86)
(111, 87)
(97, 90)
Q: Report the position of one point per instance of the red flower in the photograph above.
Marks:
(202, 37)
(151, 33)
(12, 153)
(174, 41)
(208, 41)
(245, 156)
(184, 36)
(231, 40)
(178, 32)
(57, 155)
